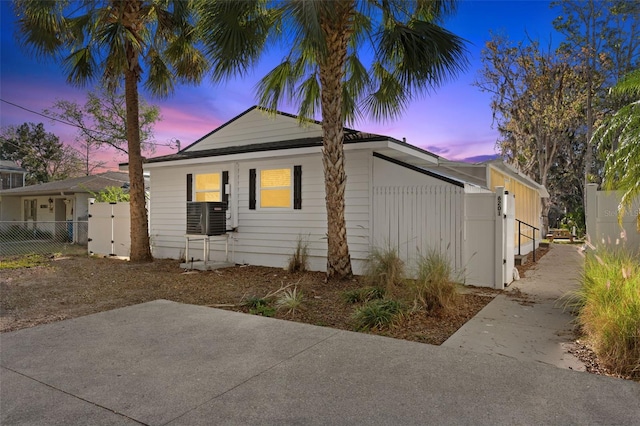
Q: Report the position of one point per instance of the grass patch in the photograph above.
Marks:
(377, 314)
(609, 309)
(26, 261)
(434, 288)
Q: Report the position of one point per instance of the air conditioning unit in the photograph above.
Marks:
(206, 218)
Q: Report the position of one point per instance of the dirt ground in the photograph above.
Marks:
(70, 287)
(73, 286)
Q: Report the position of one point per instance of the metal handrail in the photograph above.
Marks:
(520, 234)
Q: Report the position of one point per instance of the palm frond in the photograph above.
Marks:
(629, 85)
(42, 25)
(390, 98)
(81, 66)
(424, 54)
(280, 80)
(160, 79)
(234, 33)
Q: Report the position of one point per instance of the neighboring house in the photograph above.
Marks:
(268, 169)
(528, 193)
(64, 200)
(11, 175)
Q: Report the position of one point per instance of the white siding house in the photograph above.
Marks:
(268, 169)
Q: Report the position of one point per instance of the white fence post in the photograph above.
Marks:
(499, 241)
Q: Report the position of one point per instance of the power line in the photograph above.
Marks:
(68, 123)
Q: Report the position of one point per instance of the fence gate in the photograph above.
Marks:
(488, 238)
(109, 229)
(416, 219)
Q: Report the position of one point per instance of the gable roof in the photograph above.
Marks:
(305, 138)
(84, 184)
(241, 116)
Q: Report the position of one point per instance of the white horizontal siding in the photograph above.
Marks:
(265, 236)
(257, 126)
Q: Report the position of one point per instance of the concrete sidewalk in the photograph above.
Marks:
(163, 363)
(530, 322)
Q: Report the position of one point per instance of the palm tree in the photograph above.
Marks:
(119, 41)
(620, 136)
(348, 58)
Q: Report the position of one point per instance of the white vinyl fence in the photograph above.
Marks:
(417, 219)
(475, 230)
(601, 217)
(109, 229)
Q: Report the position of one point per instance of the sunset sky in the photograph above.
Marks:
(454, 121)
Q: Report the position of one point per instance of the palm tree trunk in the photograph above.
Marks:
(331, 74)
(140, 248)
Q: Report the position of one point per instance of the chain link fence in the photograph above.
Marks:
(66, 237)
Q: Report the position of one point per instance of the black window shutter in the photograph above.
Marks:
(252, 189)
(189, 187)
(225, 182)
(297, 187)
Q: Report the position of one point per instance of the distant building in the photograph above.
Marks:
(11, 175)
(58, 200)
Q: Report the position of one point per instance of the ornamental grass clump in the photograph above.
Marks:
(299, 260)
(363, 294)
(434, 288)
(377, 313)
(290, 301)
(385, 269)
(609, 309)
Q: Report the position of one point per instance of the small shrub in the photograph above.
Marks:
(377, 314)
(434, 287)
(291, 300)
(609, 309)
(298, 262)
(385, 269)
(363, 294)
(255, 302)
(264, 310)
(111, 194)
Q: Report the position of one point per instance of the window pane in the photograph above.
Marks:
(275, 198)
(275, 178)
(210, 181)
(208, 196)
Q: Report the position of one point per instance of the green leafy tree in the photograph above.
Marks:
(347, 59)
(622, 131)
(101, 122)
(119, 42)
(39, 152)
(602, 38)
(111, 194)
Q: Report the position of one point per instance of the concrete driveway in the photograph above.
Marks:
(163, 363)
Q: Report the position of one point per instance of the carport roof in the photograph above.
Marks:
(84, 184)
